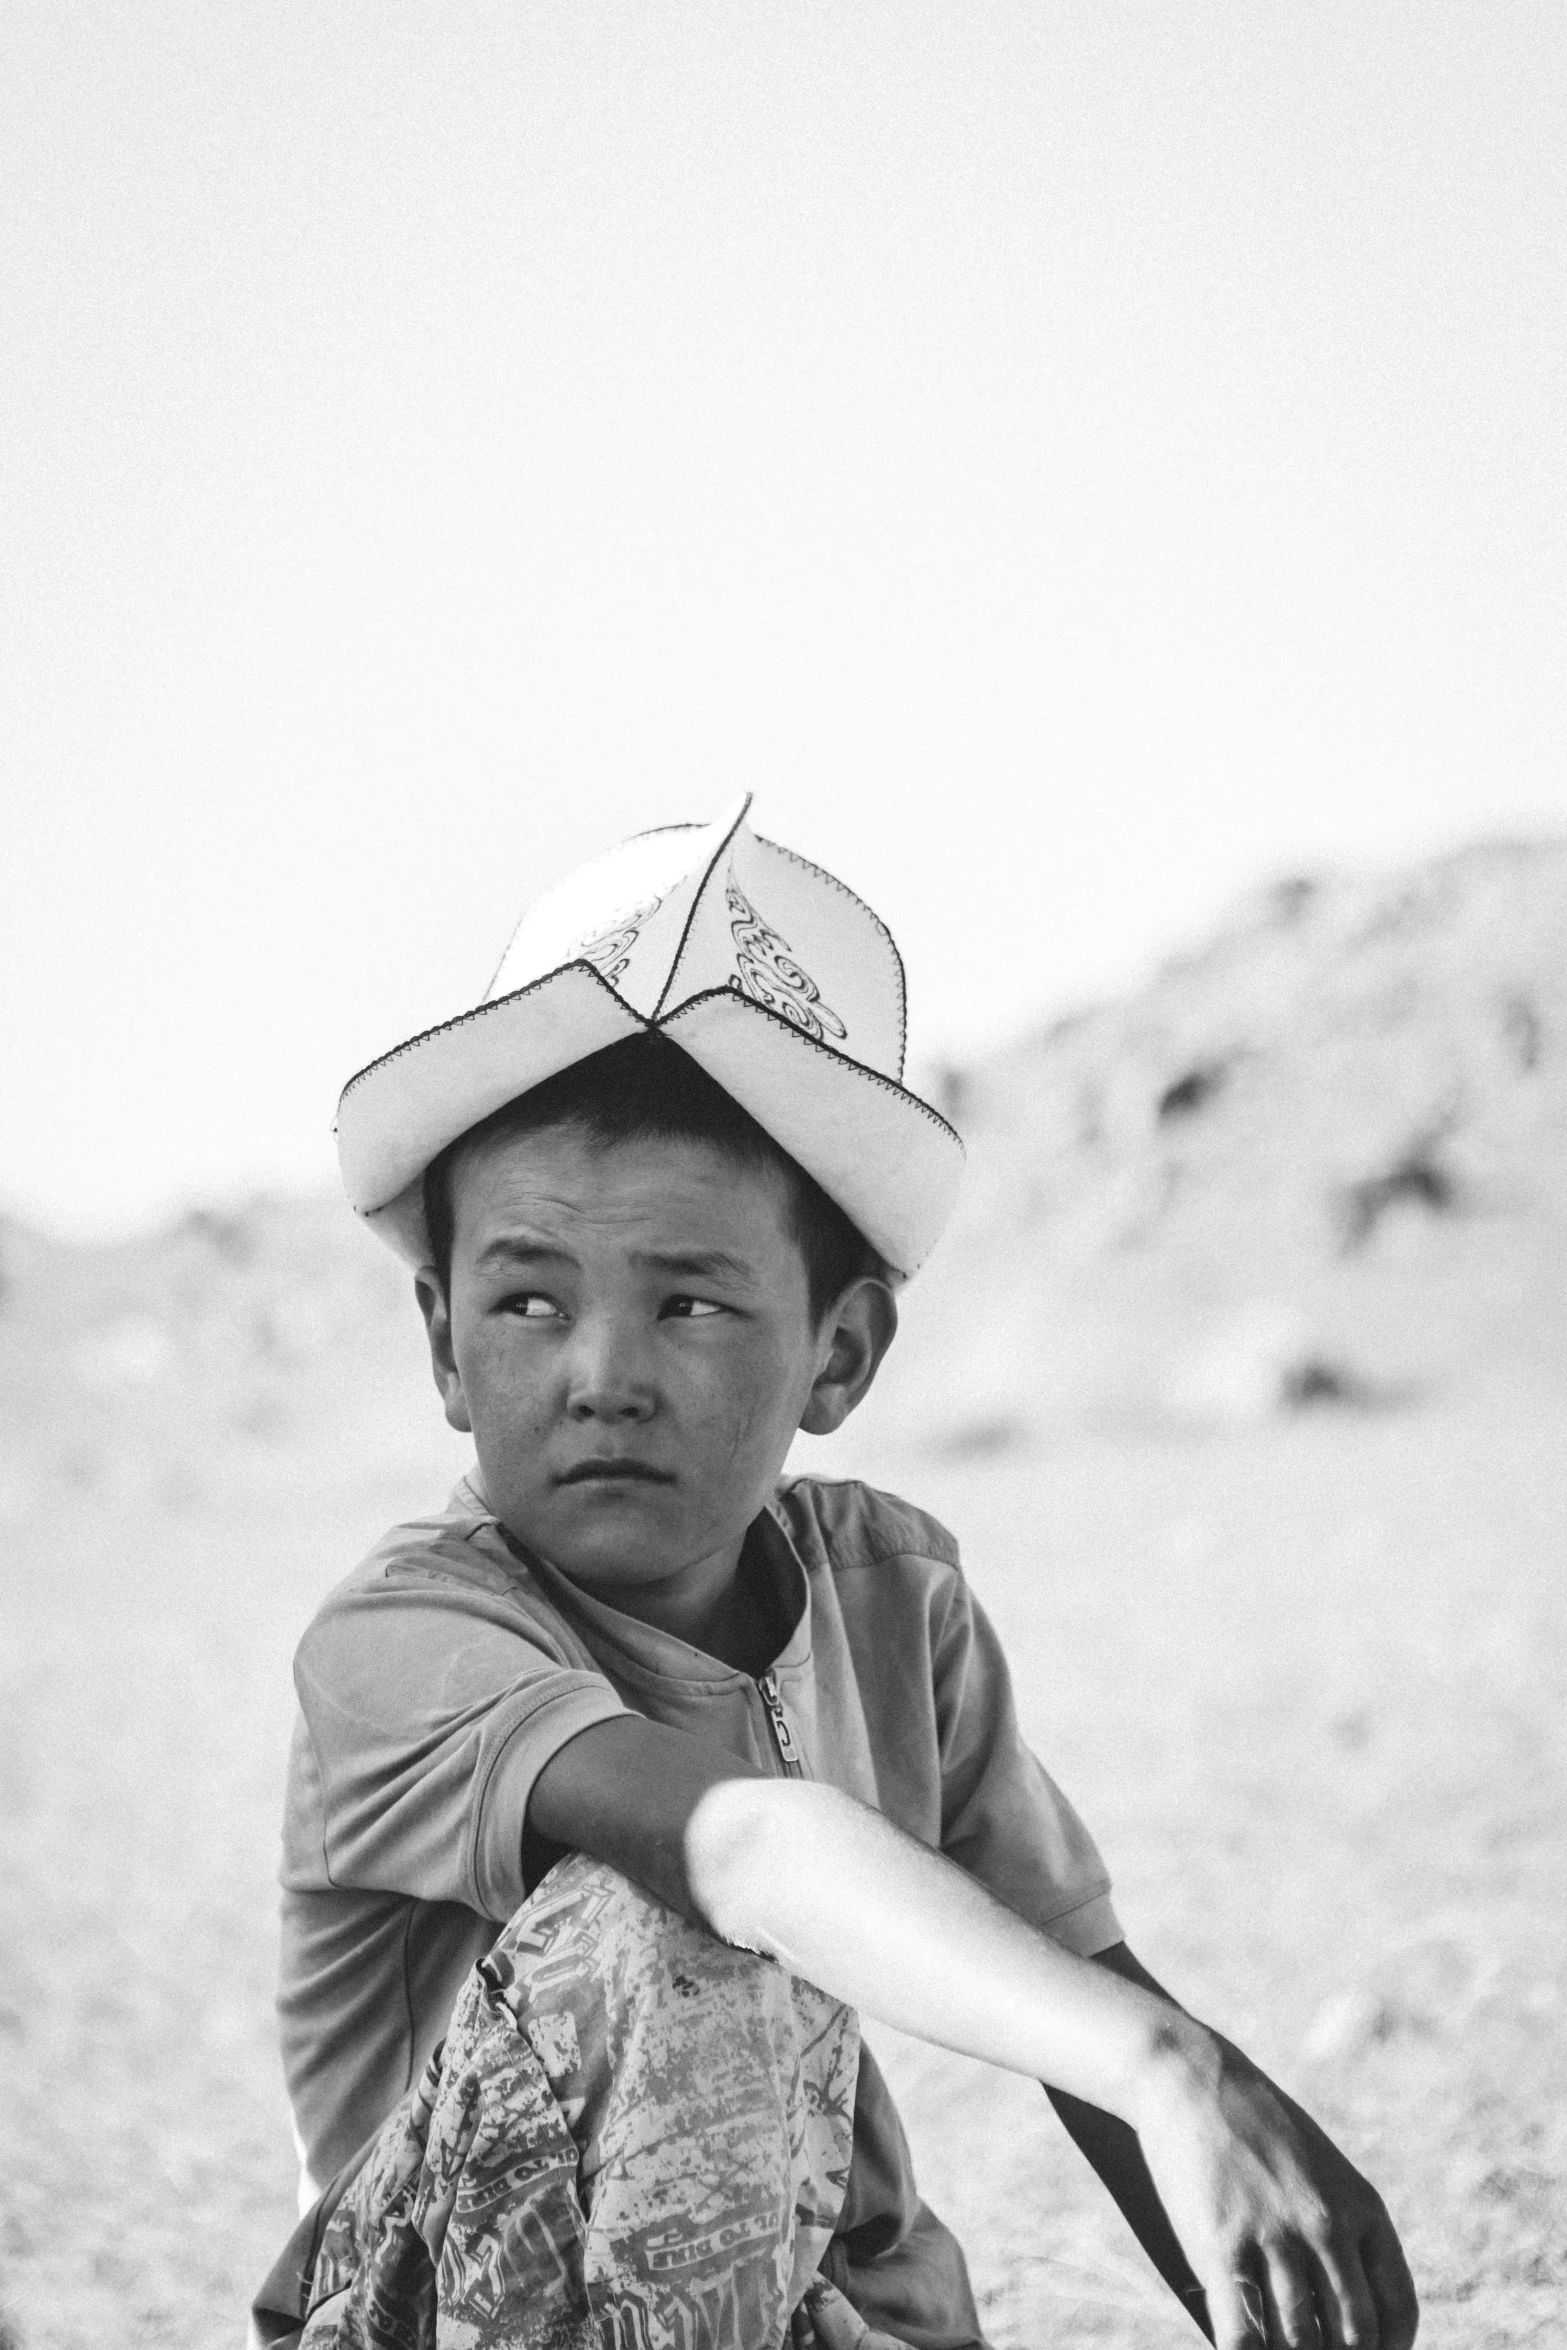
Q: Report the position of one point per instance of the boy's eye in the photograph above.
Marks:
(690, 1309)
(529, 1306)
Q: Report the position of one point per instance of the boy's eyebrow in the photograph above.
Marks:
(697, 1263)
(694, 1263)
(521, 1252)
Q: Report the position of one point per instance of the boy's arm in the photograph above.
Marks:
(1271, 2217)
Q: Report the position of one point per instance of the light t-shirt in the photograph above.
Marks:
(438, 1680)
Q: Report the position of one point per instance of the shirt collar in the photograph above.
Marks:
(644, 1645)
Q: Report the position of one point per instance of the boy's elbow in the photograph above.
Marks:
(729, 1825)
(745, 1844)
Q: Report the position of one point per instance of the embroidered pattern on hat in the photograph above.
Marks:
(768, 973)
(609, 950)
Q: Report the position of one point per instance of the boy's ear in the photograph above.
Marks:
(854, 1337)
(438, 1328)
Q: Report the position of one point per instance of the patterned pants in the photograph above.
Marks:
(633, 2138)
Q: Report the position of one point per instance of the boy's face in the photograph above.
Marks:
(627, 1332)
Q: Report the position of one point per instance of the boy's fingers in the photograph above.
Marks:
(1292, 2304)
(1344, 2301)
(1392, 2286)
(1237, 2311)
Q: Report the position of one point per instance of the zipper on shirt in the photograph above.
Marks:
(783, 1736)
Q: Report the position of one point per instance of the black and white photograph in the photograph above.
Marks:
(783, 1176)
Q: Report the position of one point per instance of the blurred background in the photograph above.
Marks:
(1097, 476)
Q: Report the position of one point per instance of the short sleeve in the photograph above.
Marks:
(429, 1706)
(1003, 1819)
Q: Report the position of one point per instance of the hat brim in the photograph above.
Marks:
(886, 1157)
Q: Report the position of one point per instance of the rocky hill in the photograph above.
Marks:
(1320, 1163)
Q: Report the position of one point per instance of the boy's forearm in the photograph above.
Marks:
(839, 1895)
(1264, 2206)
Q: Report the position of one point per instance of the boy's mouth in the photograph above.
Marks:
(610, 1470)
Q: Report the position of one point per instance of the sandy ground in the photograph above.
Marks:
(1305, 1681)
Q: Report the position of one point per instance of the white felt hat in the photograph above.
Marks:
(769, 973)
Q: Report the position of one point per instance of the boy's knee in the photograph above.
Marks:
(632, 2009)
(588, 1928)
(708, 2093)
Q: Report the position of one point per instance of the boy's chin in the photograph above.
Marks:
(613, 1534)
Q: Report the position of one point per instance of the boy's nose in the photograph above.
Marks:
(605, 1382)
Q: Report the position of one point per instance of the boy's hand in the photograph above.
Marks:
(1290, 2244)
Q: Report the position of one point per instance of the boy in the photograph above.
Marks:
(635, 1709)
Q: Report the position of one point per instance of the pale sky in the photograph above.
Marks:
(1071, 462)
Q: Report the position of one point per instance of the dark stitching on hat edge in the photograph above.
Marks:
(655, 1025)
(730, 995)
(477, 1011)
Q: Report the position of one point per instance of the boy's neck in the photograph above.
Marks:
(730, 1613)
(728, 1605)
(698, 1606)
